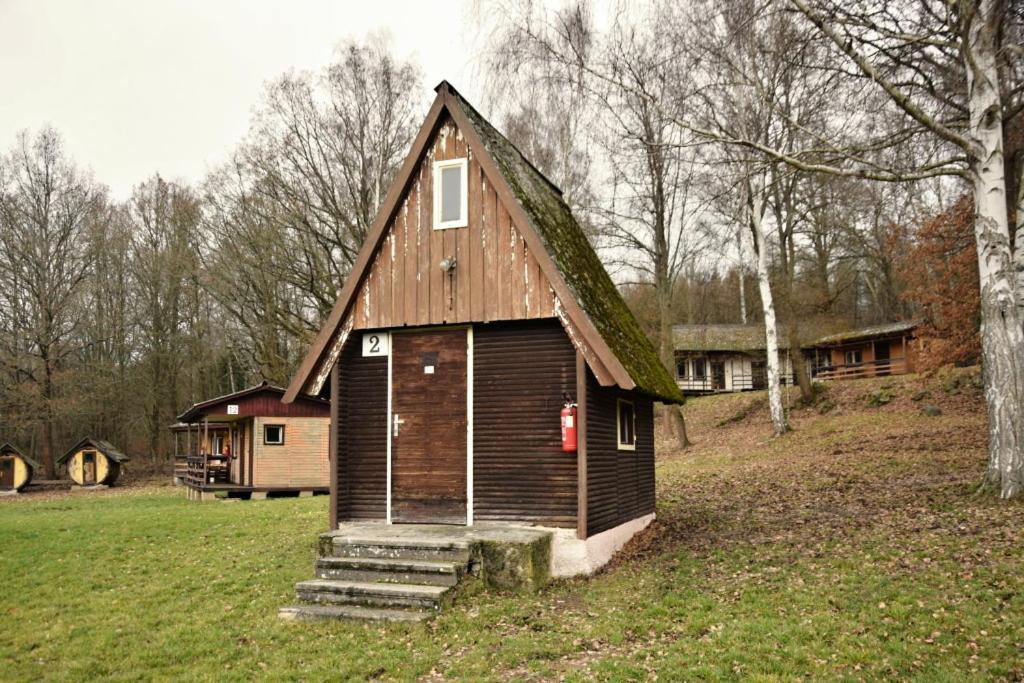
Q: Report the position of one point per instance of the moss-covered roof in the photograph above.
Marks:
(739, 338)
(10, 449)
(104, 447)
(864, 333)
(578, 263)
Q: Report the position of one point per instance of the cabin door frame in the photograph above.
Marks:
(89, 458)
(469, 414)
(6, 472)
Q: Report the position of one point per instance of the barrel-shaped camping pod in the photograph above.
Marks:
(93, 462)
(16, 468)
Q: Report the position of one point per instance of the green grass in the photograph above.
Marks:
(854, 548)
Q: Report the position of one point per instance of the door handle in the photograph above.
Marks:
(396, 423)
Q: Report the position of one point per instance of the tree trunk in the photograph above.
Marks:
(49, 468)
(1002, 336)
(755, 208)
(742, 271)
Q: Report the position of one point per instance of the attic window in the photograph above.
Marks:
(626, 425)
(450, 194)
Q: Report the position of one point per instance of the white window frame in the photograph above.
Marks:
(618, 425)
(463, 219)
(273, 443)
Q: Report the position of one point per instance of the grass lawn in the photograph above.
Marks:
(854, 547)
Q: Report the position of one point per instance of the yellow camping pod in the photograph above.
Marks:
(93, 462)
(16, 468)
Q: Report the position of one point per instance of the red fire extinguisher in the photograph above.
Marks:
(569, 428)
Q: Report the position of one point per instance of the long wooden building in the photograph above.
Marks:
(250, 444)
(475, 311)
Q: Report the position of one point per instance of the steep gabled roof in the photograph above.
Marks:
(9, 448)
(592, 309)
(104, 447)
(865, 333)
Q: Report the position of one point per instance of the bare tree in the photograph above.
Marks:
(46, 204)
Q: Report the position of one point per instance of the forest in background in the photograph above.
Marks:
(670, 129)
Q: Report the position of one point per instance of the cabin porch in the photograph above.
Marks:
(216, 455)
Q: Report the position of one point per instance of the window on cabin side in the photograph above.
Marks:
(273, 435)
(855, 357)
(627, 425)
(681, 367)
(450, 194)
(700, 370)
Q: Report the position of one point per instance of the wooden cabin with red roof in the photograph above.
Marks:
(250, 444)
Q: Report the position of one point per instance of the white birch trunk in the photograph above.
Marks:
(1002, 334)
(755, 207)
(743, 274)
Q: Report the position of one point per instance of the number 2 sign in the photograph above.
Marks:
(376, 343)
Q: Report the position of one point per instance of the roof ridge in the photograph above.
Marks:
(464, 102)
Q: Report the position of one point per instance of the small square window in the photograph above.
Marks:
(626, 426)
(450, 194)
(682, 365)
(273, 435)
(855, 357)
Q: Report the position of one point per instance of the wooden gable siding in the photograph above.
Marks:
(495, 278)
(362, 433)
(520, 372)
(268, 404)
(620, 484)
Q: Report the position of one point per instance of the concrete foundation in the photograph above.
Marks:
(505, 556)
(258, 495)
(8, 492)
(305, 494)
(572, 556)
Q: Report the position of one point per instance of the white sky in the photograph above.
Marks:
(141, 86)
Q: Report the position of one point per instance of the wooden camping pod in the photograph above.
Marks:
(16, 468)
(93, 462)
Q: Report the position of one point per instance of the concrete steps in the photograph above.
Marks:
(338, 612)
(381, 579)
(379, 569)
(400, 549)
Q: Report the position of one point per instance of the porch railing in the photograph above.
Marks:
(205, 470)
(871, 368)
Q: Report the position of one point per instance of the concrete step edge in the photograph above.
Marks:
(358, 612)
(392, 564)
(412, 590)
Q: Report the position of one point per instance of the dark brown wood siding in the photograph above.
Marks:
(620, 484)
(362, 434)
(520, 373)
(266, 403)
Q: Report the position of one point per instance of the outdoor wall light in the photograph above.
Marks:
(448, 265)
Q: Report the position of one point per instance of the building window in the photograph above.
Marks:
(700, 370)
(854, 357)
(450, 194)
(273, 435)
(627, 426)
(682, 366)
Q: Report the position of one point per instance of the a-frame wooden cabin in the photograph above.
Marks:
(475, 310)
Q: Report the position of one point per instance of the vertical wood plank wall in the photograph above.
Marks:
(620, 484)
(521, 371)
(495, 277)
(362, 393)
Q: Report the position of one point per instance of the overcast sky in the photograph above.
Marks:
(140, 86)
